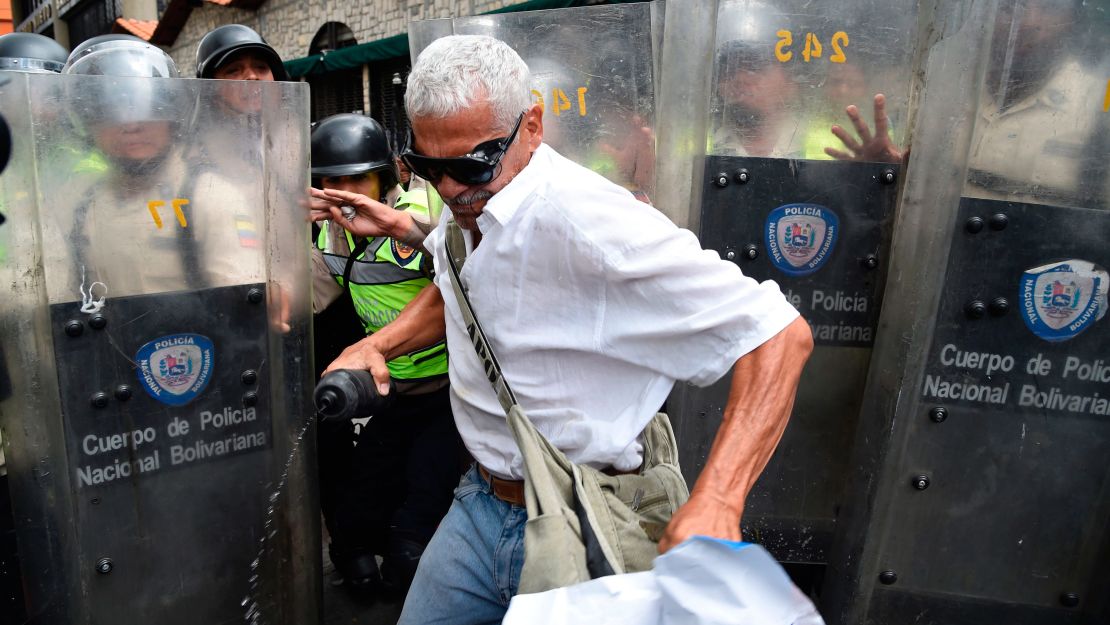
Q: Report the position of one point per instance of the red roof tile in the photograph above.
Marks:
(142, 29)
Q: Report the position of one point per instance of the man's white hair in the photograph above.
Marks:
(457, 72)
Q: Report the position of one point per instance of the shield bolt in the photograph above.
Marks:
(751, 252)
(255, 296)
(98, 322)
(250, 376)
(888, 176)
(741, 176)
(999, 221)
(938, 414)
(74, 328)
(920, 482)
(123, 392)
(870, 261)
(999, 306)
(104, 566)
(99, 400)
(888, 577)
(1069, 599)
(975, 309)
(250, 398)
(974, 225)
(721, 179)
(730, 255)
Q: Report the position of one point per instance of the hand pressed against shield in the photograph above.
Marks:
(872, 148)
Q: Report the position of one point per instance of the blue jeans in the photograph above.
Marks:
(471, 568)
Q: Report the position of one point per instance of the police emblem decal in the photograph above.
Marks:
(403, 253)
(1062, 299)
(174, 369)
(800, 237)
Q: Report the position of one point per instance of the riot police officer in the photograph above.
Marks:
(141, 127)
(237, 52)
(239, 55)
(386, 493)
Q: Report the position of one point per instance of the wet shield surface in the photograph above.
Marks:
(775, 202)
(156, 335)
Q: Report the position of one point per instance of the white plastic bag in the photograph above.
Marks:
(703, 581)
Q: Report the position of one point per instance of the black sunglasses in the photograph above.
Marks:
(477, 167)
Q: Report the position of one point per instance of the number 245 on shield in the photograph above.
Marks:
(812, 49)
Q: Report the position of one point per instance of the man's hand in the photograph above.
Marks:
(702, 515)
(420, 324)
(370, 219)
(760, 400)
(280, 308)
(367, 356)
(871, 148)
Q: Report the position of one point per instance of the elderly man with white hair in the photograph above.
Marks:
(594, 303)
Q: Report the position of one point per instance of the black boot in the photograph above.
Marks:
(399, 565)
(359, 570)
(362, 574)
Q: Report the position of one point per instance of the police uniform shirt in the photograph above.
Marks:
(595, 304)
(1037, 149)
(134, 247)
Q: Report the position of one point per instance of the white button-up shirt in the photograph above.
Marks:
(594, 304)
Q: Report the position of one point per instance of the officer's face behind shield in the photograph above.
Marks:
(246, 65)
(750, 86)
(1031, 37)
(134, 142)
(129, 117)
(368, 184)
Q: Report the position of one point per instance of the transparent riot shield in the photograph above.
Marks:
(777, 204)
(156, 335)
(593, 74)
(985, 496)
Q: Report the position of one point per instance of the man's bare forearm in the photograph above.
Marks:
(764, 383)
(419, 325)
(416, 233)
(410, 231)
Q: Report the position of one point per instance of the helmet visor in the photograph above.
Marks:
(122, 58)
(32, 66)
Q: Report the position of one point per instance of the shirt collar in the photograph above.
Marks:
(504, 204)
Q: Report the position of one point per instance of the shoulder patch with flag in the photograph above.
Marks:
(248, 234)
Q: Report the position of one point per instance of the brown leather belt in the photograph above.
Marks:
(512, 491)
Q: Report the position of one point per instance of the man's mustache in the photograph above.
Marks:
(465, 200)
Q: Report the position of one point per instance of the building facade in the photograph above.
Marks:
(367, 76)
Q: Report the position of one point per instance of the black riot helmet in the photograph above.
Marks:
(349, 144)
(31, 52)
(221, 43)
